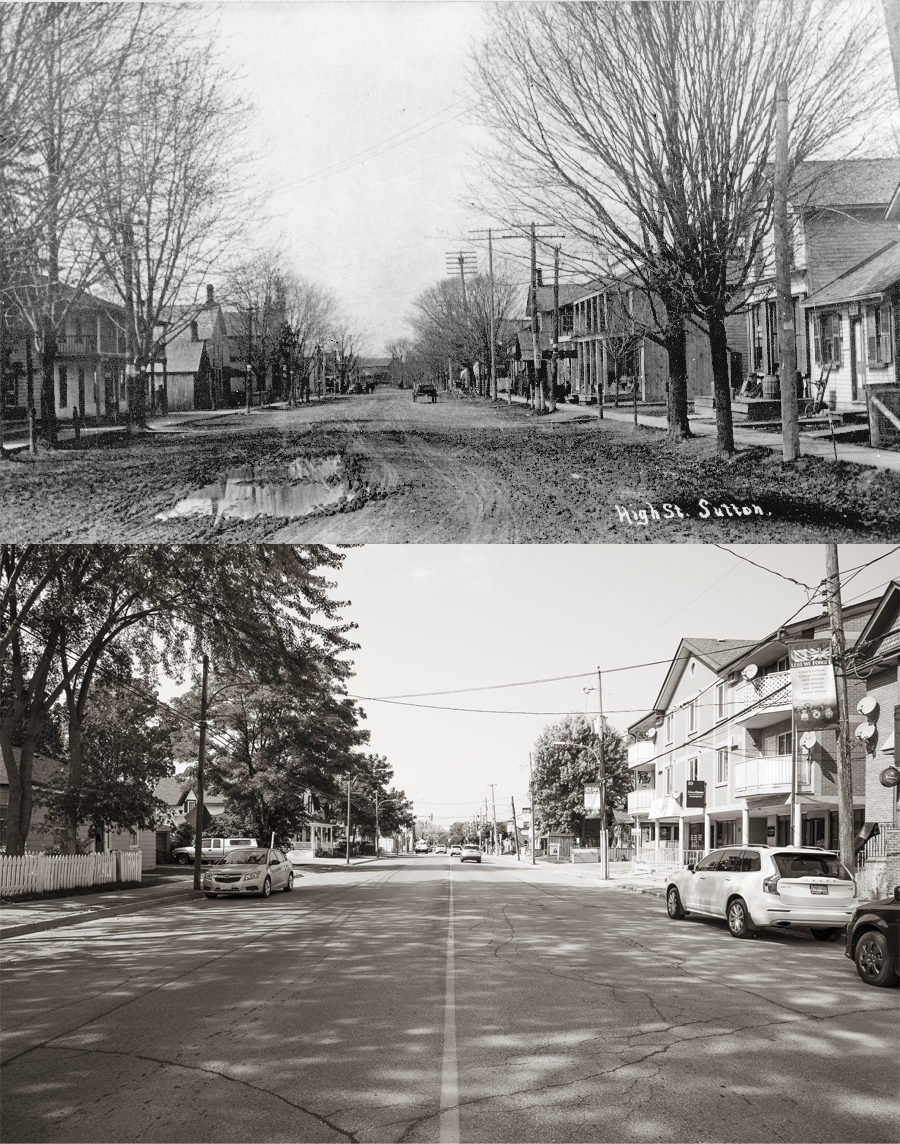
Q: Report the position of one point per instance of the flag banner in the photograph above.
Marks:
(592, 799)
(813, 688)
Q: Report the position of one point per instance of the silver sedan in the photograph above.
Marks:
(255, 871)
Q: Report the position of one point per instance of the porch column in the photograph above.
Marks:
(745, 826)
(707, 831)
(681, 845)
(797, 825)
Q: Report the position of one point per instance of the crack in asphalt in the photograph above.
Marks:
(210, 1072)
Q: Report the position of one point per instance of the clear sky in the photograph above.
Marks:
(434, 618)
(333, 81)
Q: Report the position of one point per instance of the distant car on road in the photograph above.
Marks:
(753, 887)
(873, 940)
(454, 851)
(440, 850)
(249, 872)
(421, 846)
(470, 853)
(425, 389)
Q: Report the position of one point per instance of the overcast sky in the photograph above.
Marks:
(434, 618)
(333, 82)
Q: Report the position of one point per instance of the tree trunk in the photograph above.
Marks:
(677, 404)
(48, 394)
(73, 784)
(718, 346)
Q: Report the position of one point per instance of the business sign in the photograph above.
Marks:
(644, 778)
(695, 794)
(813, 689)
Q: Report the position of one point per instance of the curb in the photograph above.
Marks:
(97, 913)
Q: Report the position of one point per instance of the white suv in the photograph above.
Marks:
(753, 887)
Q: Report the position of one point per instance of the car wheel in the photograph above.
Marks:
(212, 895)
(825, 934)
(673, 904)
(289, 885)
(739, 922)
(873, 960)
(181, 859)
(267, 887)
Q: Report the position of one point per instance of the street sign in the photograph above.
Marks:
(191, 818)
(593, 799)
(695, 793)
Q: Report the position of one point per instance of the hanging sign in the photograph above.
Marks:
(813, 689)
(695, 793)
(592, 797)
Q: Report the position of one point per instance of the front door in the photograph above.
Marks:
(857, 358)
(698, 888)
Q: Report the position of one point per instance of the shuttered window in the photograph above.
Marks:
(878, 335)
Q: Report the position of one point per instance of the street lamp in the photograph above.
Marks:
(601, 765)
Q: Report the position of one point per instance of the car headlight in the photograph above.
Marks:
(249, 877)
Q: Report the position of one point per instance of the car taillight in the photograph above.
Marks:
(770, 885)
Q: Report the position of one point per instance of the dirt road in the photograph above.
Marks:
(385, 469)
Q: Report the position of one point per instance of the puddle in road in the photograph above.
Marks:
(295, 490)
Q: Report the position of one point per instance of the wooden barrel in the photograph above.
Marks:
(770, 387)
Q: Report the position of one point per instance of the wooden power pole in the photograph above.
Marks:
(844, 773)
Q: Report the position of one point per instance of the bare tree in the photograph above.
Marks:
(163, 213)
(62, 63)
(308, 317)
(647, 131)
(398, 349)
(348, 343)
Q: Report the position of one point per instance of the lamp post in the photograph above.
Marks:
(604, 834)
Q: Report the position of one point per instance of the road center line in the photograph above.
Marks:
(448, 1132)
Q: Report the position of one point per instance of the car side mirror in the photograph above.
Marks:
(897, 893)
(691, 867)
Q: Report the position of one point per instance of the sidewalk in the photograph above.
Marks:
(17, 918)
(622, 875)
(809, 447)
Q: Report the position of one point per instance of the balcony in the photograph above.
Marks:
(639, 753)
(763, 700)
(640, 799)
(769, 774)
(77, 345)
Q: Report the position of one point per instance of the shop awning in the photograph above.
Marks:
(667, 807)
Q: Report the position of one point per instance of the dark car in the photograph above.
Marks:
(424, 389)
(873, 940)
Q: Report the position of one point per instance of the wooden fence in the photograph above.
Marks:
(38, 873)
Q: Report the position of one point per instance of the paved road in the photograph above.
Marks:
(419, 1000)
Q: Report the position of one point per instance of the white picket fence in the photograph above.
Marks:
(37, 873)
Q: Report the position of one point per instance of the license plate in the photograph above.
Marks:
(818, 889)
(227, 889)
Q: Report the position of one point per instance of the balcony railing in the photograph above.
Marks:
(641, 752)
(768, 773)
(639, 800)
(772, 690)
(73, 345)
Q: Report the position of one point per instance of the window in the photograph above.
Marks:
(785, 744)
(751, 863)
(878, 335)
(692, 769)
(189, 805)
(725, 832)
(4, 813)
(711, 861)
(133, 838)
(692, 717)
(670, 728)
(722, 766)
(827, 342)
(720, 701)
(669, 779)
(732, 862)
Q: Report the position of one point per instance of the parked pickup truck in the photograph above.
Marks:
(210, 848)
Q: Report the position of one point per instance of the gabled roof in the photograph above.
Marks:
(713, 653)
(375, 363)
(567, 293)
(868, 279)
(184, 355)
(845, 182)
(169, 790)
(42, 772)
(236, 324)
(526, 343)
(884, 616)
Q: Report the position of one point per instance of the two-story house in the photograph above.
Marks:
(840, 215)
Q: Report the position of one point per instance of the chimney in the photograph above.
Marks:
(538, 276)
(210, 301)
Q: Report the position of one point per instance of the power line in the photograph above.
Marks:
(763, 568)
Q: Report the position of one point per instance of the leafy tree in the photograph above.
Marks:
(126, 750)
(564, 759)
(272, 744)
(66, 612)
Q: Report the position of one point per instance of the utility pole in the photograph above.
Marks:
(347, 848)
(493, 320)
(554, 352)
(515, 826)
(790, 425)
(494, 807)
(249, 359)
(201, 757)
(533, 811)
(844, 773)
(604, 837)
